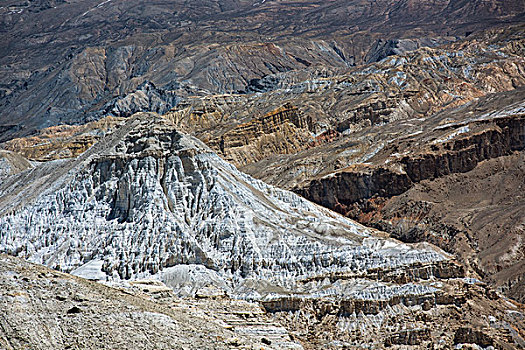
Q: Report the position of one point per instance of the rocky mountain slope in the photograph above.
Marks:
(483, 142)
(147, 183)
(302, 109)
(405, 116)
(354, 139)
(149, 202)
(76, 61)
(46, 309)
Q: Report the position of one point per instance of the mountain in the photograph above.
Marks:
(356, 139)
(249, 174)
(146, 198)
(147, 201)
(68, 61)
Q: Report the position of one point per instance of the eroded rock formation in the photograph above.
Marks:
(147, 201)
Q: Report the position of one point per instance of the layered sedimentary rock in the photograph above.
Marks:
(461, 148)
(215, 121)
(149, 202)
(64, 141)
(340, 101)
(440, 184)
(281, 131)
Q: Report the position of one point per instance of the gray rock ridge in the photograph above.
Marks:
(147, 97)
(148, 200)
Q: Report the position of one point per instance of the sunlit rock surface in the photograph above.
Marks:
(44, 309)
(148, 199)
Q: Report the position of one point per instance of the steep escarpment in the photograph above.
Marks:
(438, 185)
(483, 140)
(283, 130)
(478, 215)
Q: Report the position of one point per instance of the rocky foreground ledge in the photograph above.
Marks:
(46, 309)
(148, 202)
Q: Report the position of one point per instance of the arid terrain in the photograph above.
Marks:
(262, 174)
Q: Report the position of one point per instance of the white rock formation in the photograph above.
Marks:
(148, 200)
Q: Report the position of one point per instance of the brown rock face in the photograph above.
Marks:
(493, 138)
(478, 215)
(459, 188)
(281, 131)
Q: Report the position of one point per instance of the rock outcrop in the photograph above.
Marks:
(147, 97)
(80, 59)
(46, 309)
(146, 173)
(12, 163)
(283, 130)
(64, 141)
(435, 186)
(465, 146)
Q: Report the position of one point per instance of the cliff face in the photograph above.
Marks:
(473, 143)
(437, 186)
(283, 130)
(478, 215)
